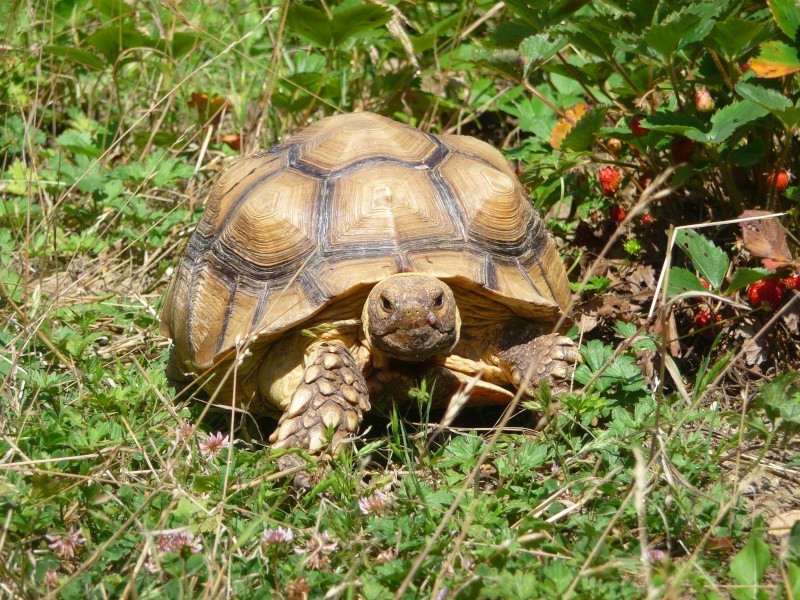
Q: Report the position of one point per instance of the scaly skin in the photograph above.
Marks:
(332, 397)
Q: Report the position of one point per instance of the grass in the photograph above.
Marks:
(665, 474)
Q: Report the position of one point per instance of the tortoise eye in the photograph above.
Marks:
(386, 303)
(439, 301)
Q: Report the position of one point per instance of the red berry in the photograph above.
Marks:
(646, 219)
(703, 100)
(703, 319)
(792, 282)
(779, 180)
(705, 284)
(617, 213)
(682, 150)
(766, 291)
(636, 128)
(609, 178)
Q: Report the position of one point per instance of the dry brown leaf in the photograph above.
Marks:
(766, 239)
(565, 125)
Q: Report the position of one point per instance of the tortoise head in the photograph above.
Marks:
(411, 317)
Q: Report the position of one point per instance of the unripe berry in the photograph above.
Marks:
(703, 100)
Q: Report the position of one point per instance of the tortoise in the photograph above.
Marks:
(345, 261)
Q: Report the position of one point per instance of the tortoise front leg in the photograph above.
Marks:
(331, 398)
(520, 346)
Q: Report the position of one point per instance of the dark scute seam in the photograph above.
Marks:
(313, 289)
(527, 278)
(234, 288)
(489, 273)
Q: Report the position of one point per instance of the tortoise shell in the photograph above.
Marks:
(339, 207)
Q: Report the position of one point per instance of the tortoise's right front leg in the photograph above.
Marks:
(331, 399)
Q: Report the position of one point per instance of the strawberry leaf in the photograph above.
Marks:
(709, 260)
(776, 59)
(727, 120)
(786, 15)
(745, 276)
(682, 280)
(732, 38)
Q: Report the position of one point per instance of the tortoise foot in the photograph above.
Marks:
(549, 357)
(328, 404)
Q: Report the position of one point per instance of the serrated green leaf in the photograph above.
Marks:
(770, 99)
(590, 35)
(787, 15)
(776, 59)
(584, 133)
(727, 120)
(596, 353)
(678, 30)
(81, 57)
(709, 260)
(749, 565)
(536, 49)
(357, 20)
(79, 142)
(682, 280)
(309, 23)
(744, 276)
(679, 123)
(732, 37)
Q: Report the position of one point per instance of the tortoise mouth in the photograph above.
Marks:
(417, 343)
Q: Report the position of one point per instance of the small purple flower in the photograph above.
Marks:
(179, 542)
(277, 537)
(656, 555)
(214, 444)
(378, 503)
(66, 546)
(318, 548)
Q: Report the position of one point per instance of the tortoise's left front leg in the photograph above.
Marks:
(520, 346)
